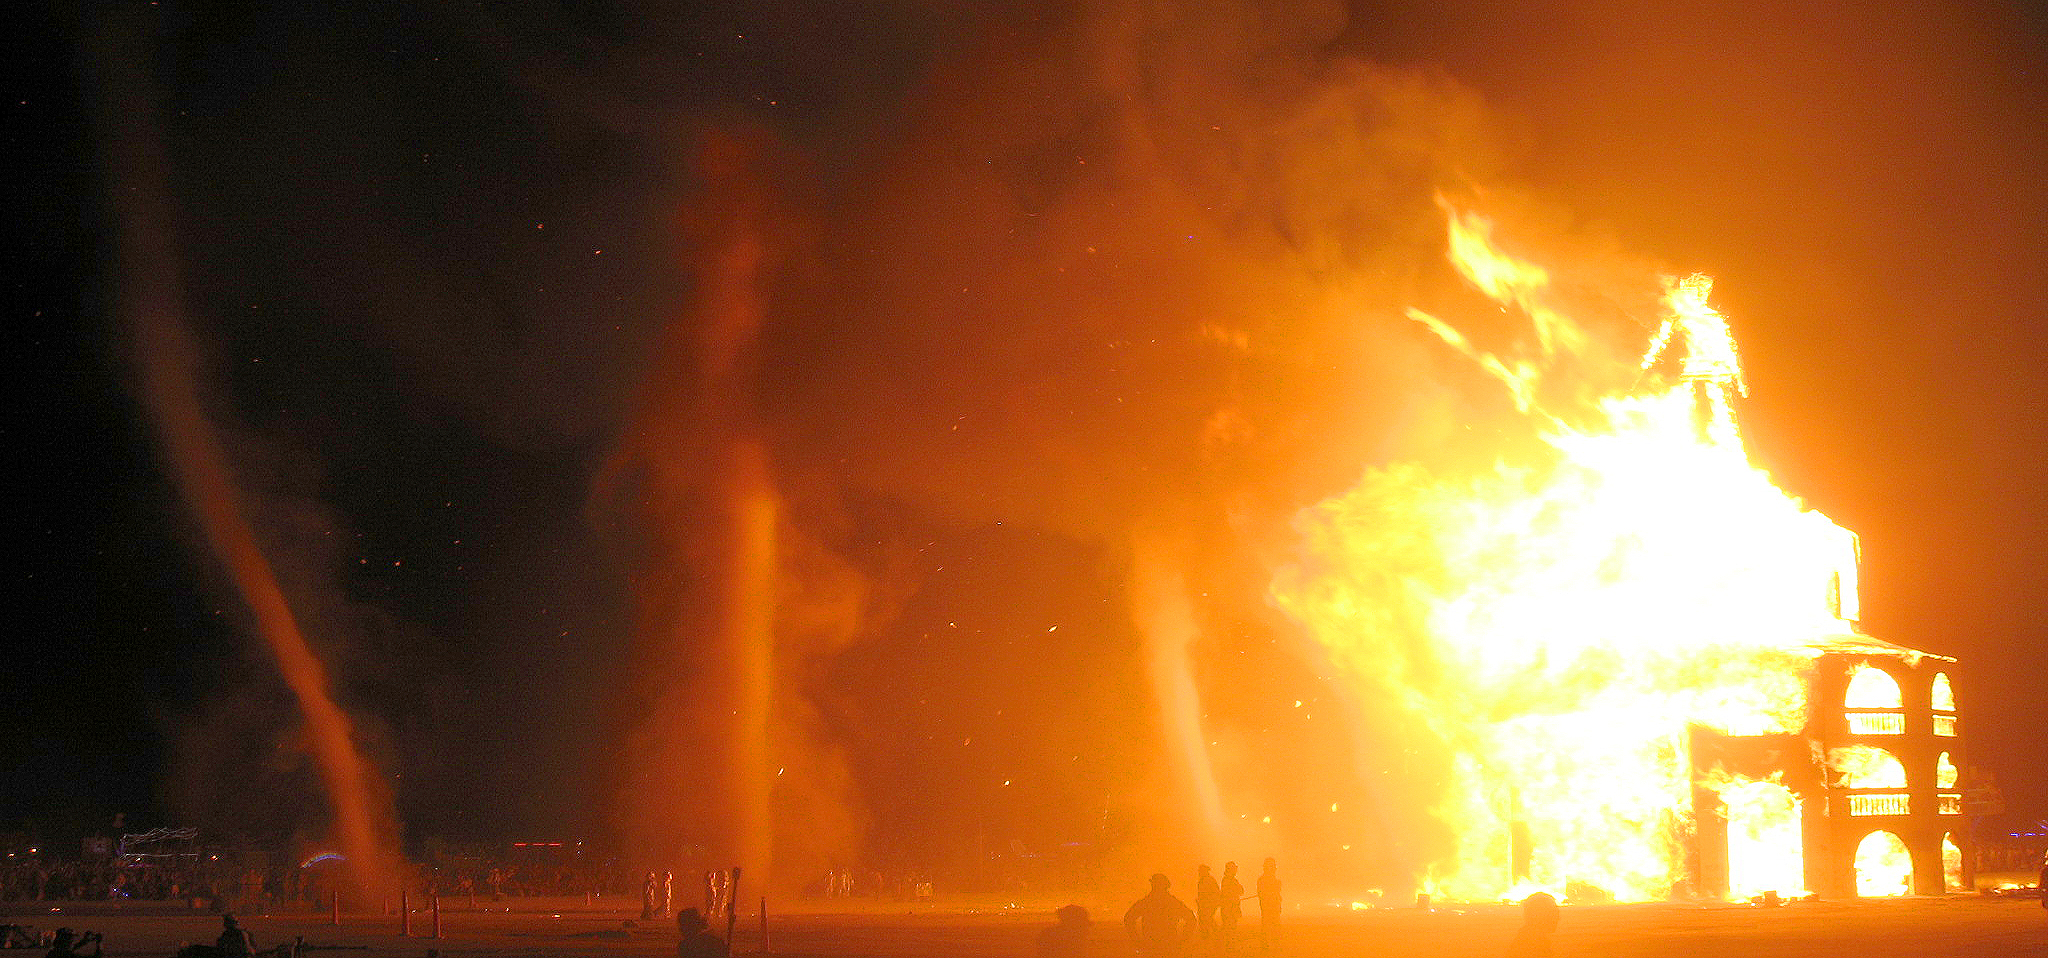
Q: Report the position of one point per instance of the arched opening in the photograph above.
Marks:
(1873, 688)
(1944, 772)
(1884, 869)
(1866, 766)
(1944, 693)
(1951, 864)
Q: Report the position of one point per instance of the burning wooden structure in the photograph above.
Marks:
(1873, 776)
(1639, 658)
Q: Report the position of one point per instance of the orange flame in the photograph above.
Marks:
(1548, 628)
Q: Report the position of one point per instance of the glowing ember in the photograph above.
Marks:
(1547, 628)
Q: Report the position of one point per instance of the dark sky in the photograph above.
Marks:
(431, 252)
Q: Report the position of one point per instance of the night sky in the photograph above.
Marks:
(436, 255)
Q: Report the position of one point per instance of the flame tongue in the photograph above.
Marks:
(1549, 629)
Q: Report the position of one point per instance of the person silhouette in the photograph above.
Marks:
(63, 945)
(1069, 937)
(234, 941)
(1269, 905)
(1208, 897)
(1231, 897)
(1159, 923)
(1539, 922)
(697, 940)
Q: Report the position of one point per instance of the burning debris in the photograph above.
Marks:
(1623, 663)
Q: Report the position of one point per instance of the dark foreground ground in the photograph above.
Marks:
(1956, 927)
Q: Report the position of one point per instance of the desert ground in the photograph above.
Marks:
(1952, 927)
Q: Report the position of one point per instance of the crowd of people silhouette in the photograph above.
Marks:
(1160, 925)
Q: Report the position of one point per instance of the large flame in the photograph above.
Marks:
(1545, 632)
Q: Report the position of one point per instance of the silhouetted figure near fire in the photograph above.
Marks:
(2042, 884)
(1269, 905)
(1159, 923)
(697, 941)
(1068, 938)
(1232, 900)
(64, 945)
(1208, 896)
(234, 940)
(648, 890)
(1539, 922)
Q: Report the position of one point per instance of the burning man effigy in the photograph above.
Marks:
(1627, 665)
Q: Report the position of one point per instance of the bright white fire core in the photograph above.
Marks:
(1549, 627)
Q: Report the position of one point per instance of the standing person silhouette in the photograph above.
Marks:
(1208, 897)
(1159, 923)
(235, 940)
(1539, 922)
(697, 941)
(1231, 897)
(1269, 905)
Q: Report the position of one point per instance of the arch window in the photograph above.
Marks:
(1884, 869)
(1944, 693)
(1866, 766)
(1873, 688)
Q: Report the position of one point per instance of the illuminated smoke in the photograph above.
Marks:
(362, 811)
(363, 823)
(1166, 619)
(702, 770)
(746, 640)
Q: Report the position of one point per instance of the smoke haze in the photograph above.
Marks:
(935, 370)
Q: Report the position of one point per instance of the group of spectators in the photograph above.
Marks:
(207, 882)
(40, 878)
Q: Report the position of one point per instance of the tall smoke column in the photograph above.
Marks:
(1166, 619)
(704, 774)
(150, 299)
(748, 616)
